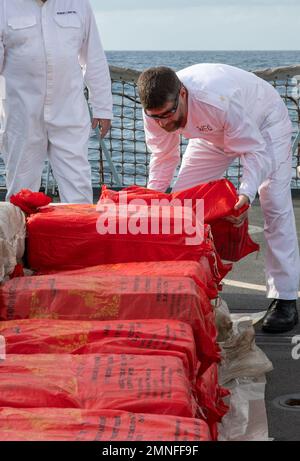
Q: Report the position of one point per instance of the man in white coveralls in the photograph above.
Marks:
(227, 113)
(44, 48)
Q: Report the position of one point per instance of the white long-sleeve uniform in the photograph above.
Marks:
(233, 113)
(44, 49)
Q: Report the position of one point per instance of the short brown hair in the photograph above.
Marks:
(156, 86)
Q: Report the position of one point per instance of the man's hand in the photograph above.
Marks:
(238, 221)
(104, 125)
(242, 201)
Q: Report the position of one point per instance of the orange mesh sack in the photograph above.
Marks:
(99, 297)
(147, 384)
(35, 424)
(151, 337)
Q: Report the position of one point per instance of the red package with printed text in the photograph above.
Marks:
(140, 384)
(69, 424)
(151, 337)
(100, 297)
(71, 237)
(207, 272)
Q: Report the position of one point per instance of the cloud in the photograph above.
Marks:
(122, 5)
(204, 28)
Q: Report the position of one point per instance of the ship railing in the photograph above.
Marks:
(122, 159)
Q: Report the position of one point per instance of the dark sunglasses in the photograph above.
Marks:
(169, 112)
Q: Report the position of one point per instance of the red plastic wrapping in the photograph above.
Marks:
(151, 337)
(140, 384)
(210, 398)
(207, 272)
(18, 271)
(106, 425)
(68, 237)
(102, 297)
(29, 201)
(232, 243)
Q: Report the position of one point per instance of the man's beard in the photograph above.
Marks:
(173, 125)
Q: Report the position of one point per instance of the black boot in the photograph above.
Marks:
(282, 316)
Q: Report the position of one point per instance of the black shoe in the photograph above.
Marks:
(282, 316)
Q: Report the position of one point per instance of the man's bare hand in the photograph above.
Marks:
(242, 201)
(104, 125)
(238, 221)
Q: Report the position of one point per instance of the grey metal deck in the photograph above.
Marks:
(284, 422)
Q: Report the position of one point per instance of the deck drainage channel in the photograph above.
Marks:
(288, 402)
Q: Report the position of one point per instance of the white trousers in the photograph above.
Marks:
(203, 162)
(67, 151)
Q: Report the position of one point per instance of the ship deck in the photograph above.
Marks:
(283, 383)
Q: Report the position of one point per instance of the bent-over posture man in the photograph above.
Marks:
(227, 113)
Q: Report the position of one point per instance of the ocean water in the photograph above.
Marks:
(139, 60)
(248, 60)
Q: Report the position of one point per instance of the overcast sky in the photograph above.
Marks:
(198, 24)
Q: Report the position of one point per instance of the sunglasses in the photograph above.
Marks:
(167, 114)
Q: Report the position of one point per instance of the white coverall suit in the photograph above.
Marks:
(42, 49)
(233, 113)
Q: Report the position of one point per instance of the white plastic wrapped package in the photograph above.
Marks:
(242, 372)
(12, 238)
(247, 417)
(223, 319)
(241, 357)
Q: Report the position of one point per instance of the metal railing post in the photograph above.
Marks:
(106, 154)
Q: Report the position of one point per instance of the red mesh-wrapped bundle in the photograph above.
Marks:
(35, 424)
(210, 398)
(101, 297)
(70, 237)
(29, 201)
(232, 243)
(207, 272)
(151, 337)
(141, 384)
